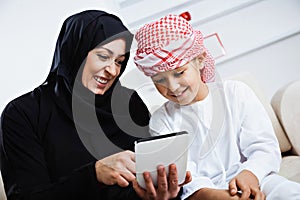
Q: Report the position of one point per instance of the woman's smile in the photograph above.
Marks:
(100, 80)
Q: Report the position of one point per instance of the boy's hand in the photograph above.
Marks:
(167, 187)
(247, 182)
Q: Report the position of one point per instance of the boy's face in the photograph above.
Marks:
(182, 85)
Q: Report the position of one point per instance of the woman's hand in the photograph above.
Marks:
(167, 188)
(118, 169)
(248, 183)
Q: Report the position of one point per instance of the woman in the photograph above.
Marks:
(52, 144)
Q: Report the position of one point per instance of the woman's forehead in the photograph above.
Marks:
(116, 47)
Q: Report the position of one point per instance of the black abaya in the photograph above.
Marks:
(43, 154)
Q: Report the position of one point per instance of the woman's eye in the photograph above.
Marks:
(103, 57)
(119, 63)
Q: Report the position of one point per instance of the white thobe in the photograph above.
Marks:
(229, 131)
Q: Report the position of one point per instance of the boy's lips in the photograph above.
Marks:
(178, 94)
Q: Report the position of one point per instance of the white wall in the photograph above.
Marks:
(28, 32)
(264, 39)
(260, 36)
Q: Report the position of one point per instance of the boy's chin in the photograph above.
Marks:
(184, 103)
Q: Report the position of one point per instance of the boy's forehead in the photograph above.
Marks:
(170, 71)
(158, 74)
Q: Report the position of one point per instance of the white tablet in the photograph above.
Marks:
(161, 150)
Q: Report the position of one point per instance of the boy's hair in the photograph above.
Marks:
(169, 43)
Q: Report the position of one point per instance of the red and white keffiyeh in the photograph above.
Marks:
(170, 43)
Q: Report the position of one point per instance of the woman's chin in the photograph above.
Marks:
(98, 91)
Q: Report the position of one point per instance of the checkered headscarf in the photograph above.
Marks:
(170, 43)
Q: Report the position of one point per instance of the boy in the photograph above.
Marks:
(233, 153)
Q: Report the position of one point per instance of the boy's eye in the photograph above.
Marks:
(177, 74)
(159, 80)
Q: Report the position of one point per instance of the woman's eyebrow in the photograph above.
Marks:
(110, 51)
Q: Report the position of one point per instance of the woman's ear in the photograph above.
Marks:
(201, 59)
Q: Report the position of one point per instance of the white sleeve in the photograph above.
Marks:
(195, 185)
(158, 124)
(257, 139)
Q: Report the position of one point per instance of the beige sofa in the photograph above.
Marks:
(284, 112)
(286, 104)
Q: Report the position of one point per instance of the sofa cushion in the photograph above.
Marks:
(285, 103)
(289, 168)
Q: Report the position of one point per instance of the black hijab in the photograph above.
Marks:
(105, 123)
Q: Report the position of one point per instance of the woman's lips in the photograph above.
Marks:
(100, 81)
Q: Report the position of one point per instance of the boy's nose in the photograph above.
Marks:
(173, 85)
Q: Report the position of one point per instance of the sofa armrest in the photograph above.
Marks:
(285, 103)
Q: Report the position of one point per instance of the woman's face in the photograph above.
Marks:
(182, 85)
(103, 66)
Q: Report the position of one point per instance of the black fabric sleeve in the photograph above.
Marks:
(138, 110)
(24, 169)
(140, 115)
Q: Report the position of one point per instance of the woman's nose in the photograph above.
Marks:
(112, 69)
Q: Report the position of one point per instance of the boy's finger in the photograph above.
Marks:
(150, 189)
(140, 191)
(246, 194)
(162, 182)
(232, 187)
(188, 178)
(173, 179)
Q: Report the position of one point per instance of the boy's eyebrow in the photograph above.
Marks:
(180, 68)
(155, 75)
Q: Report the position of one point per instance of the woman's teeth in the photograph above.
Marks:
(100, 80)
